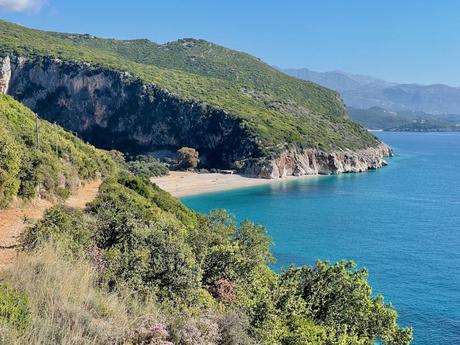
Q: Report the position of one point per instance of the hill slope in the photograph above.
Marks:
(138, 96)
(58, 164)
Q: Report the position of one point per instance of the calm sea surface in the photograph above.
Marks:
(401, 222)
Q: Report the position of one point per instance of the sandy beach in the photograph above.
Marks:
(185, 183)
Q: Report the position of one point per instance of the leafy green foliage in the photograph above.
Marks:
(275, 108)
(339, 298)
(147, 167)
(71, 228)
(14, 308)
(211, 275)
(58, 165)
(10, 163)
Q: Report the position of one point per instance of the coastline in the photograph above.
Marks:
(186, 183)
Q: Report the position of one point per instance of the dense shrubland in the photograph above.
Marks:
(57, 165)
(146, 167)
(138, 267)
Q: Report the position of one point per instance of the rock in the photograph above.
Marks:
(295, 162)
(5, 74)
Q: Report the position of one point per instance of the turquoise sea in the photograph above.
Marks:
(401, 222)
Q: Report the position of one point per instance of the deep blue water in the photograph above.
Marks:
(401, 222)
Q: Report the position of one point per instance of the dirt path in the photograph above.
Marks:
(12, 220)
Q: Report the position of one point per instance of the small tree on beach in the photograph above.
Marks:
(187, 158)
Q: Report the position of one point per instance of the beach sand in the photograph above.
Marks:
(185, 183)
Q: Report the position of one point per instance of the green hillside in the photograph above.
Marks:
(276, 108)
(58, 164)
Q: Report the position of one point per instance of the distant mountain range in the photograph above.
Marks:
(359, 91)
(404, 120)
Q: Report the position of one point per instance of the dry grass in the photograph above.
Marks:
(65, 306)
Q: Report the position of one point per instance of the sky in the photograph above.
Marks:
(410, 41)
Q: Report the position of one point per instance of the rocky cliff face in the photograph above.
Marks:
(5, 74)
(299, 162)
(115, 110)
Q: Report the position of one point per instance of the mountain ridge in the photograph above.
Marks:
(361, 91)
(236, 110)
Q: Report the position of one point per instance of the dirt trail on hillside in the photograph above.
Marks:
(12, 219)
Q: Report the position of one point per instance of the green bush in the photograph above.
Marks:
(14, 308)
(71, 228)
(147, 167)
(10, 164)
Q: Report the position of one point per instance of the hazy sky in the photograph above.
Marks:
(398, 40)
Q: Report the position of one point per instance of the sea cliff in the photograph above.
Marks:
(300, 162)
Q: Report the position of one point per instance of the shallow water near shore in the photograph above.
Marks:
(401, 222)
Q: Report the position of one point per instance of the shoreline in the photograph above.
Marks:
(186, 183)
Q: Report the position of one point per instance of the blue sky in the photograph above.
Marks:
(398, 40)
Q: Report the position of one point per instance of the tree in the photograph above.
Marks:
(10, 161)
(187, 158)
(339, 298)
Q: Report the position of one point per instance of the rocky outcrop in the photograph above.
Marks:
(114, 110)
(5, 74)
(299, 162)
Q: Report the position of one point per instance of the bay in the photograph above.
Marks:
(401, 222)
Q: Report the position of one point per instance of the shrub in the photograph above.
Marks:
(202, 330)
(233, 327)
(10, 163)
(304, 331)
(340, 298)
(210, 275)
(71, 228)
(14, 308)
(147, 257)
(147, 167)
(150, 332)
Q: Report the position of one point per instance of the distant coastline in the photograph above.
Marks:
(432, 130)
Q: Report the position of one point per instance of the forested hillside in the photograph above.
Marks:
(137, 96)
